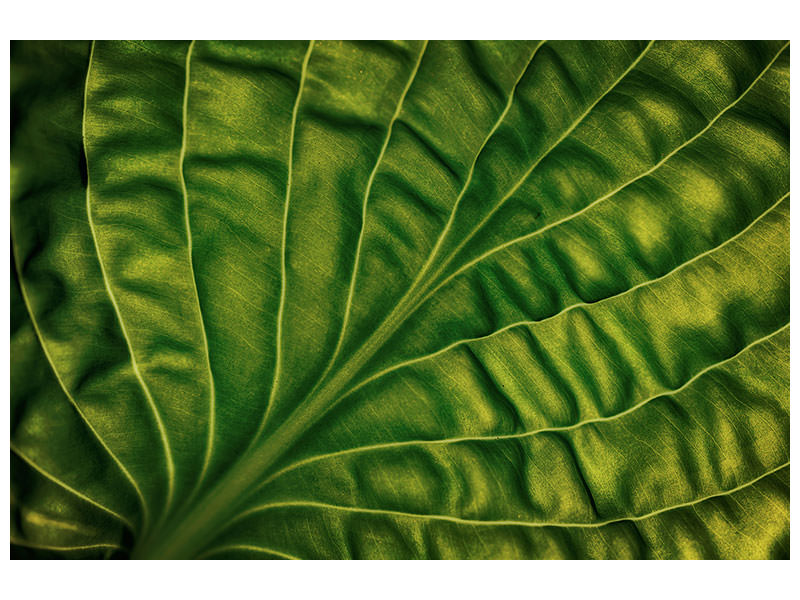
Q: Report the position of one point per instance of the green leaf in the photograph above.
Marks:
(400, 300)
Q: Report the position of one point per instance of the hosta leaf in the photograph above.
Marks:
(400, 300)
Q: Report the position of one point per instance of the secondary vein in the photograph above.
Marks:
(282, 302)
(170, 463)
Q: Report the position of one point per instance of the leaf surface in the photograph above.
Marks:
(400, 300)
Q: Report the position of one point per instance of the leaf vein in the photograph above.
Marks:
(46, 474)
(282, 302)
(170, 464)
(476, 522)
(182, 177)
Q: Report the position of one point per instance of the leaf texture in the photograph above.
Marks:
(322, 300)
